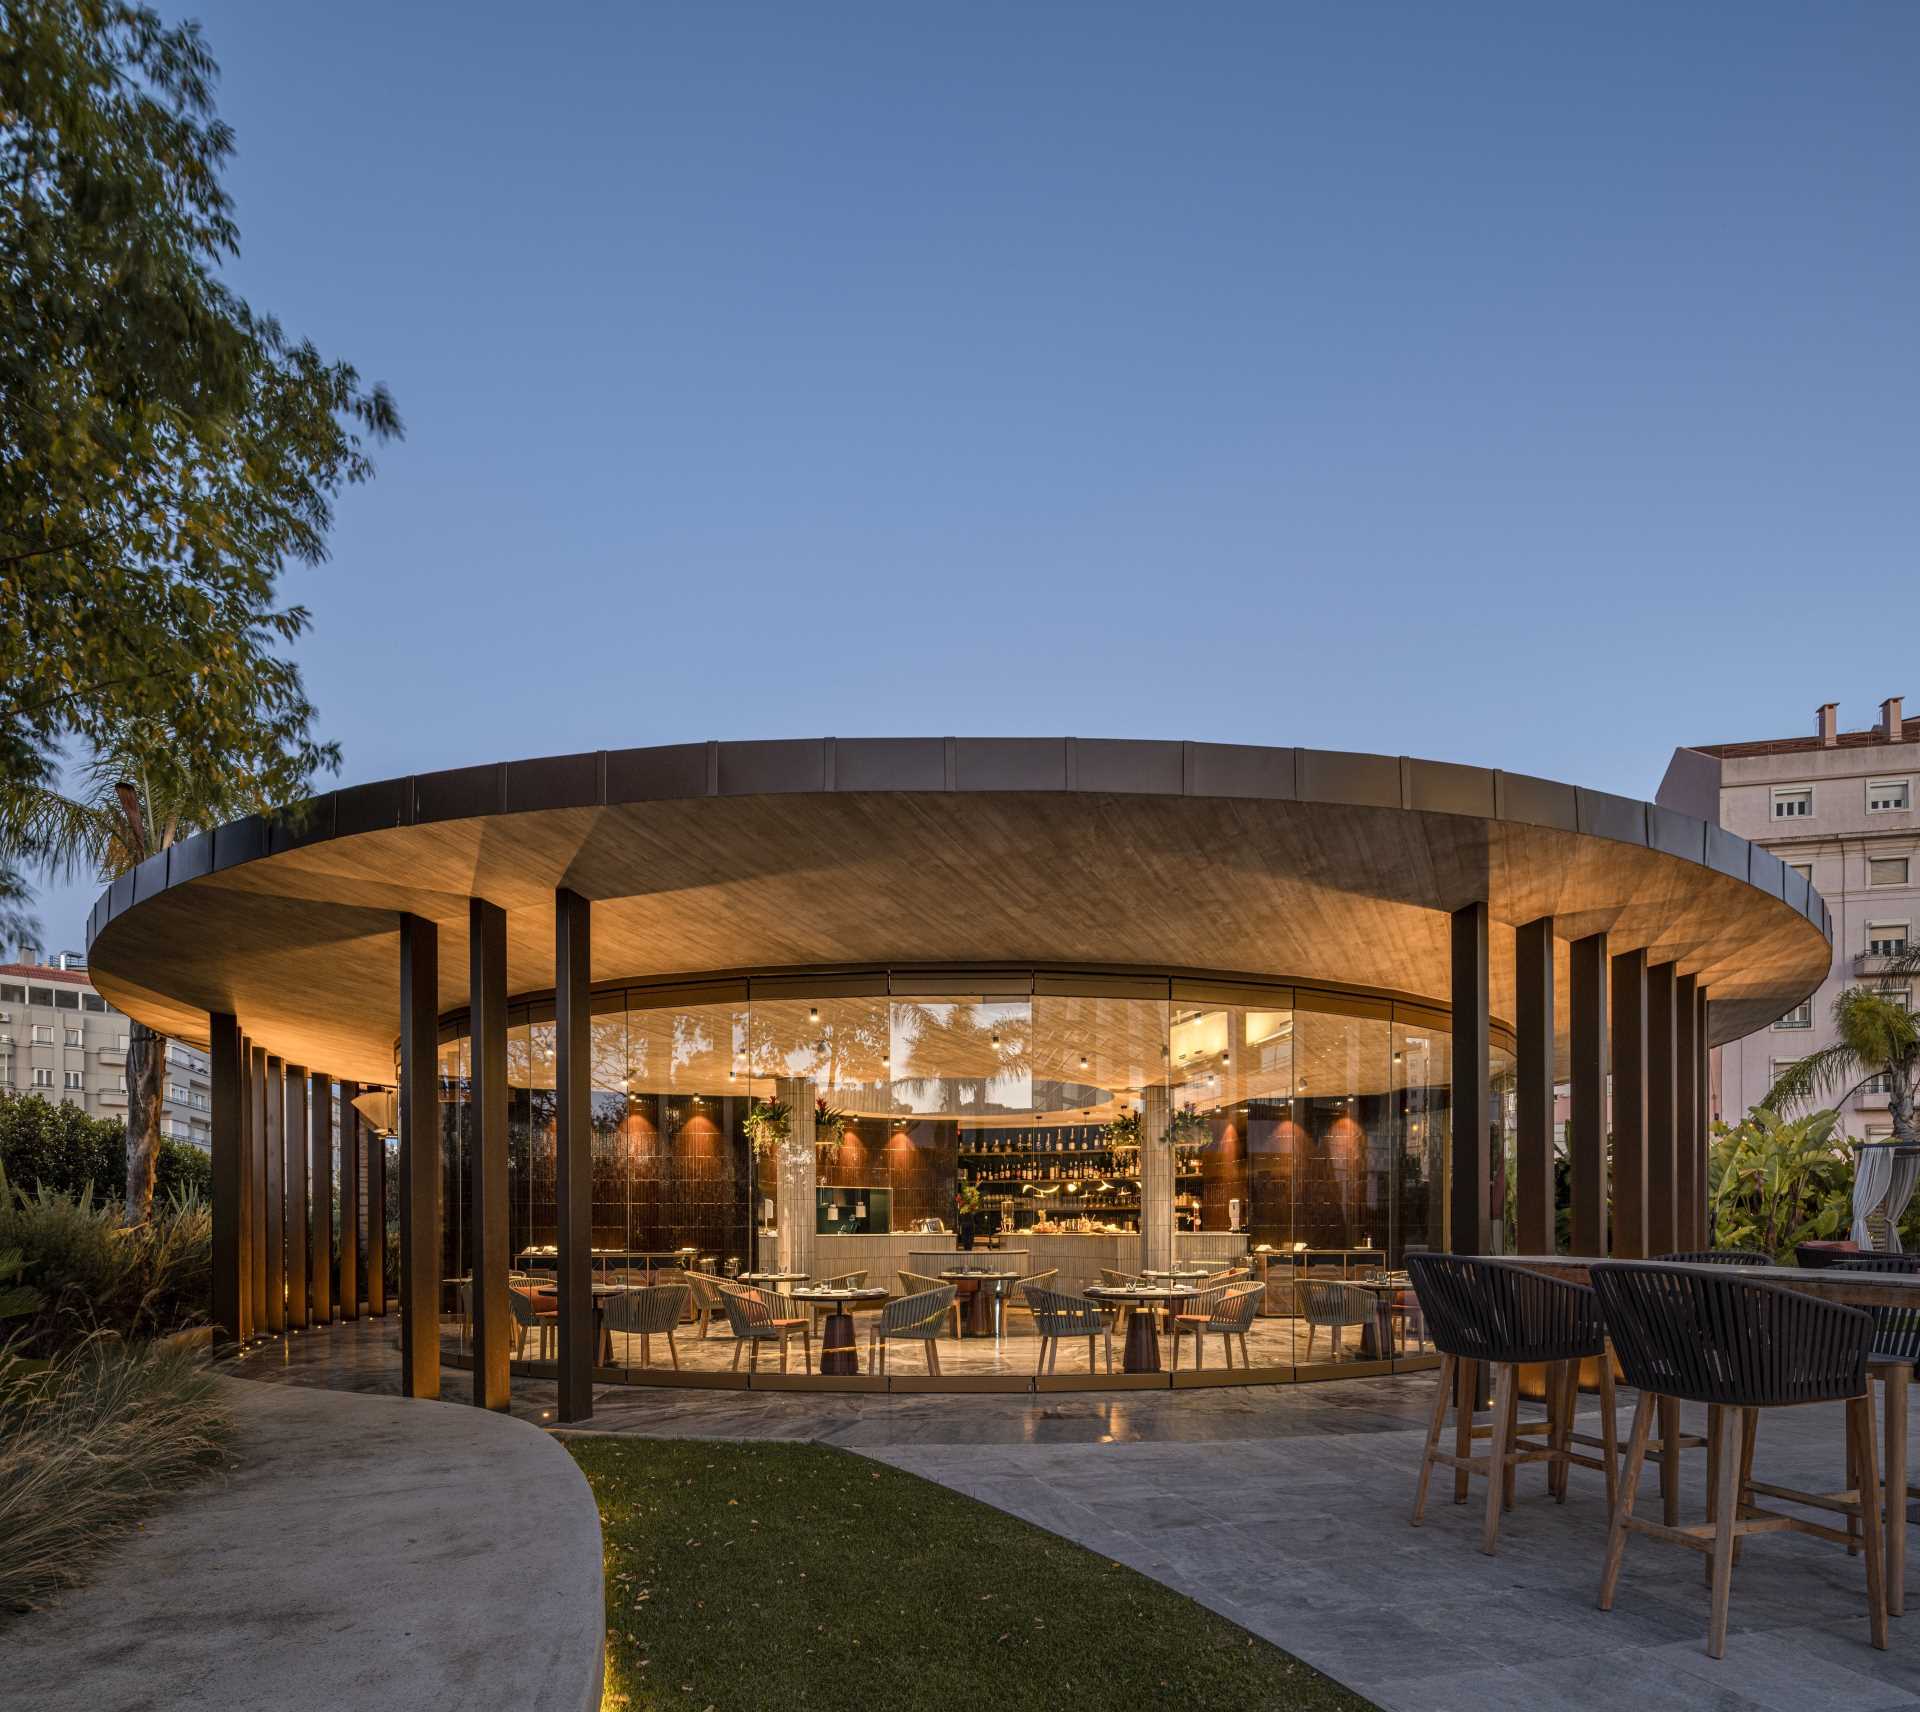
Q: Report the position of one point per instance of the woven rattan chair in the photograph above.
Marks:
(1896, 1352)
(1057, 1316)
(1228, 1311)
(1504, 1316)
(920, 1318)
(705, 1295)
(1716, 1257)
(527, 1316)
(1328, 1305)
(1700, 1337)
(916, 1284)
(759, 1317)
(648, 1314)
(1013, 1291)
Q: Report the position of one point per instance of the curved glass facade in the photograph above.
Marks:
(1308, 1132)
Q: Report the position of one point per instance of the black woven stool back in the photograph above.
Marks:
(1716, 1257)
(1896, 1331)
(1706, 1337)
(1486, 1310)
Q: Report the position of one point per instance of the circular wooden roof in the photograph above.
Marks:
(1292, 865)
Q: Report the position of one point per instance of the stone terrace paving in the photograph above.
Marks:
(1285, 1508)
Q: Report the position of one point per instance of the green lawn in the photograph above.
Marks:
(774, 1576)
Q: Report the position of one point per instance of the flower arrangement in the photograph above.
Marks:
(966, 1198)
(1123, 1131)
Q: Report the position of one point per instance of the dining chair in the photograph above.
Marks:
(527, 1316)
(1698, 1336)
(1331, 1306)
(1228, 1311)
(918, 1318)
(648, 1314)
(758, 1317)
(1896, 1352)
(1505, 1317)
(705, 1290)
(918, 1284)
(1716, 1257)
(1057, 1315)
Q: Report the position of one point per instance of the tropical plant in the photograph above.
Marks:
(16, 1299)
(1187, 1128)
(1122, 1131)
(829, 1124)
(767, 1124)
(1876, 1038)
(87, 1446)
(169, 450)
(1774, 1182)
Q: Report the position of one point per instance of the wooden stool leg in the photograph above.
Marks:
(1510, 1438)
(1623, 1508)
(1713, 1483)
(1899, 1376)
(1749, 1437)
(1442, 1394)
(1498, 1443)
(1609, 1428)
(1670, 1461)
(1860, 1431)
(1463, 1384)
(1730, 1432)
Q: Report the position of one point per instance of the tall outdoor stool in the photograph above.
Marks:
(1487, 1311)
(1696, 1335)
(1896, 1350)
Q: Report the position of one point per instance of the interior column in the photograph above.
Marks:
(230, 1296)
(320, 1172)
(295, 1129)
(1689, 1178)
(1533, 1087)
(1630, 1105)
(1664, 1153)
(1702, 1115)
(487, 1158)
(797, 1163)
(1156, 1179)
(1587, 1114)
(349, 1291)
(419, 1157)
(573, 1085)
(373, 1264)
(1470, 1225)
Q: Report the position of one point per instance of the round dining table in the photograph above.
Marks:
(839, 1352)
(1142, 1351)
(980, 1310)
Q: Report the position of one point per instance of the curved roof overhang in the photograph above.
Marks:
(1292, 865)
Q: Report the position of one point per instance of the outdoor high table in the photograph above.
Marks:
(839, 1354)
(982, 1306)
(1856, 1290)
(1142, 1351)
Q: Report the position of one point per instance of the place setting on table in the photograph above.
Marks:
(1141, 1353)
(839, 1353)
(979, 1306)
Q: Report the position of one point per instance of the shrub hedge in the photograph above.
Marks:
(58, 1147)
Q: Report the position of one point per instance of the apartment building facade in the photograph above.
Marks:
(61, 1040)
(1839, 806)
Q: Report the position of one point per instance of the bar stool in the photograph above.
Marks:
(1896, 1349)
(1505, 1316)
(1690, 1335)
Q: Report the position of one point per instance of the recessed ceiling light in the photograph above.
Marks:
(813, 1014)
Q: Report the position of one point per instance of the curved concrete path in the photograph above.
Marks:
(358, 1552)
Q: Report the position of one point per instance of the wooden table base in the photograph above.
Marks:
(1142, 1354)
(839, 1353)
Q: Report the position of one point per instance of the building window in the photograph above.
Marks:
(1801, 1016)
(176, 1092)
(1888, 796)
(120, 1043)
(1902, 996)
(1794, 802)
(1886, 938)
(1803, 869)
(199, 1101)
(1887, 870)
(42, 1078)
(1875, 1084)
(74, 1037)
(73, 1079)
(42, 1034)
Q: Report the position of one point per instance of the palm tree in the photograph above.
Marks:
(134, 797)
(1877, 1036)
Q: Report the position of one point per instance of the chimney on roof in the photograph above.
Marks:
(1826, 721)
(1892, 726)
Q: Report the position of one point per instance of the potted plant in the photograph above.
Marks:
(768, 1123)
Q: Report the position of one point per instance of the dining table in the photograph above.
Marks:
(979, 1306)
(839, 1352)
(1853, 1289)
(1141, 1352)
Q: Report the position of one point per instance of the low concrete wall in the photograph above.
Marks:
(360, 1551)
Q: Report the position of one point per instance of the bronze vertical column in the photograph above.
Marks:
(1469, 1215)
(350, 1191)
(298, 1214)
(1690, 1185)
(1630, 1105)
(373, 1264)
(487, 1162)
(1533, 1087)
(573, 951)
(1587, 1116)
(1703, 1115)
(273, 1087)
(1664, 1157)
(419, 1157)
(229, 1298)
(257, 1152)
(320, 1172)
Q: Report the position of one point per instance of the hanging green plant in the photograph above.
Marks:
(1123, 1131)
(829, 1124)
(1187, 1128)
(768, 1123)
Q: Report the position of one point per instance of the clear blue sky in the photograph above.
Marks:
(1527, 385)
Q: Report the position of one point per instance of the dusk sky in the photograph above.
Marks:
(1530, 386)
